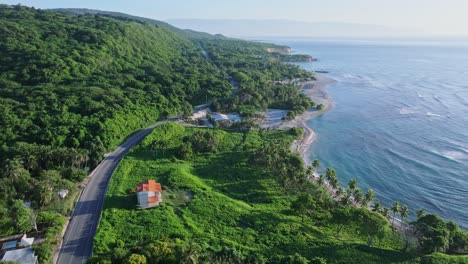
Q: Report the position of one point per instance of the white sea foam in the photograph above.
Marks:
(350, 76)
(408, 111)
(455, 155)
(434, 115)
(419, 60)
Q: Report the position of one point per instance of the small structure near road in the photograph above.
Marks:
(14, 242)
(225, 119)
(63, 193)
(17, 249)
(21, 256)
(149, 194)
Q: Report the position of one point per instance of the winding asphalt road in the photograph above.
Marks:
(77, 243)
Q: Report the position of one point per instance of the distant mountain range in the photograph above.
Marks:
(289, 28)
(126, 17)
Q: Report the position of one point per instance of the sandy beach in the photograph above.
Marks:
(316, 90)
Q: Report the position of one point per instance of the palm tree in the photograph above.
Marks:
(420, 213)
(376, 207)
(334, 182)
(352, 184)
(386, 212)
(330, 173)
(346, 199)
(395, 209)
(316, 164)
(404, 212)
(339, 192)
(189, 253)
(358, 196)
(321, 180)
(309, 171)
(368, 197)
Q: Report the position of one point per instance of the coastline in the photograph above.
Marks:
(315, 90)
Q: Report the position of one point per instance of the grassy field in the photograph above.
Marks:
(219, 200)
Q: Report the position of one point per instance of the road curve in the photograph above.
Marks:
(78, 239)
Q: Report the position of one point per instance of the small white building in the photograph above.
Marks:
(21, 256)
(225, 118)
(26, 241)
(63, 193)
(149, 194)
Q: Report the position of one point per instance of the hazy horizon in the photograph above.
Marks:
(433, 17)
(293, 28)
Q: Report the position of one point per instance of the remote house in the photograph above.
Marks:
(149, 194)
(225, 119)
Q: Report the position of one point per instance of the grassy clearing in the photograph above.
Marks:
(220, 200)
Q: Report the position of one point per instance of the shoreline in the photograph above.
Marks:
(315, 90)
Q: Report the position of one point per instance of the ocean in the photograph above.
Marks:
(399, 124)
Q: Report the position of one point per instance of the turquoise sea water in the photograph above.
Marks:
(400, 121)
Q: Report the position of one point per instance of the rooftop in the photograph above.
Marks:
(23, 256)
(148, 186)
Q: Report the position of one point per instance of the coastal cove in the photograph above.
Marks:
(400, 122)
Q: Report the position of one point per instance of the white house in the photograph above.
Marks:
(149, 194)
(225, 118)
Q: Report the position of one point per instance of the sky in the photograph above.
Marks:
(444, 17)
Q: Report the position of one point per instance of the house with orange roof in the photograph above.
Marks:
(149, 194)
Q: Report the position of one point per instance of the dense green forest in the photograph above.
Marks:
(231, 197)
(73, 86)
(251, 67)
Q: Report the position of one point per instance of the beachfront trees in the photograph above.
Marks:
(339, 192)
(309, 171)
(334, 182)
(358, 198)
(321, 180)
(420, 213)
(368, 197)
(377, 207)
(404, 212)
(316, 164)
(352, 184)
(330, 173)
(386, 212)
(346, 199)
(395, 209)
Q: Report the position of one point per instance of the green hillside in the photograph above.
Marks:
(231, 206)
(72, 87)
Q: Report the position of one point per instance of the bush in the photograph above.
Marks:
(43, 252)
(297, 132)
